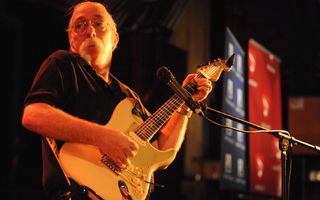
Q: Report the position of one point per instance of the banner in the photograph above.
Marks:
(264, 108)
(233, 143)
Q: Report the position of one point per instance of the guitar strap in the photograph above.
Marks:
(55, 182)
(130, 93)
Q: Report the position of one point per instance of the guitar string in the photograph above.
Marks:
(160, 118)
(170, 107)
(146, 127)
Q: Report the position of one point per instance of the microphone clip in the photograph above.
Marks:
(196, 107)
(192, 104)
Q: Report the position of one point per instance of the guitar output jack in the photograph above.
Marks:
(124, 190)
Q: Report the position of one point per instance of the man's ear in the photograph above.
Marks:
(70, 42)
(115, 41)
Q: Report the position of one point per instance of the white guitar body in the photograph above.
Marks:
(87, 166)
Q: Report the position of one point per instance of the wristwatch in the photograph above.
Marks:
(185, 111)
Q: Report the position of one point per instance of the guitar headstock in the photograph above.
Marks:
(213, 69)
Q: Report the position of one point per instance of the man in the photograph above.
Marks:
(73, 95)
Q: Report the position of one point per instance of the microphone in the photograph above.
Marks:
(165, 75)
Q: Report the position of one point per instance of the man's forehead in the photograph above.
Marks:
(89, 9)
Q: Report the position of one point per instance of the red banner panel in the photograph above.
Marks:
(264, 108)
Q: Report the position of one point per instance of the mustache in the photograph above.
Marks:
(92, 42)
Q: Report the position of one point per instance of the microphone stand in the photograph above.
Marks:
(285, 141)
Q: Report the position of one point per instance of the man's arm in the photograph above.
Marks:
(54, 123)
(173, 133)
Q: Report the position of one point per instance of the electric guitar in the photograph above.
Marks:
(89, 167)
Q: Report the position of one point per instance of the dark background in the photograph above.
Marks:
(32, 29)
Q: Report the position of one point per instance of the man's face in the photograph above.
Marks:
(90, 34)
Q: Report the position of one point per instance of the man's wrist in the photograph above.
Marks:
(184, 110)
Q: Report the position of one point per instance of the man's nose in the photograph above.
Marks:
(91, 31)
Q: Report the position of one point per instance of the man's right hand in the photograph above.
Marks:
(119, 147)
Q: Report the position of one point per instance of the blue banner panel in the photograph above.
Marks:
(233, 143)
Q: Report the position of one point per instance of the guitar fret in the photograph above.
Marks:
(159, 118)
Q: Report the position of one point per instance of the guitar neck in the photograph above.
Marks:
(153, 124)
(210, 71)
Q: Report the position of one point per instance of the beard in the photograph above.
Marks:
(91, 50)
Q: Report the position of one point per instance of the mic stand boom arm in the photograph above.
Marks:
(292, 140)
(285, 141)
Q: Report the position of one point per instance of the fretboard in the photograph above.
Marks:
(152, 125)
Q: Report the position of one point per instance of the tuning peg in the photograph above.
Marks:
(230, 60)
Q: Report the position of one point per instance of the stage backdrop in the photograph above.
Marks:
(233, 143)
(304, 115)
(264, 108)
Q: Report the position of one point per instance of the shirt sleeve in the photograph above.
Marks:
(49, 84)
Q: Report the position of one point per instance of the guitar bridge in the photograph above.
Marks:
(110, 164)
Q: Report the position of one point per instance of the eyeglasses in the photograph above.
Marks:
(82, 25)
